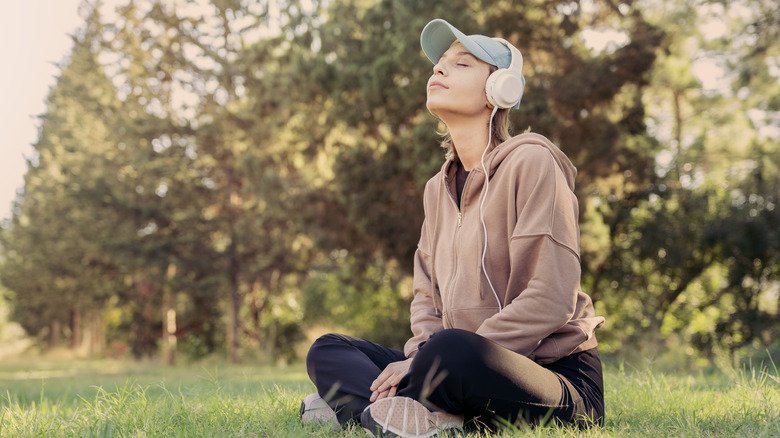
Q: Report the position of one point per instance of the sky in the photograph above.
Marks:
(34, 36)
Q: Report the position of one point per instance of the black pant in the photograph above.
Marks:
(462, 373)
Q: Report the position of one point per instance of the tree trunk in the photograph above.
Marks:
(169, 336)
(75, 329)
(143, 343)
(232, 330)
(98, 333)
(54, 335)
(169, 319)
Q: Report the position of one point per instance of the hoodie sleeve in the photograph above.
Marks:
(425, 316)
(544, 262)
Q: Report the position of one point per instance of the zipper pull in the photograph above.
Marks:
(460, 217)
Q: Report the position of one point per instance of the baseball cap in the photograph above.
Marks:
(438, 35)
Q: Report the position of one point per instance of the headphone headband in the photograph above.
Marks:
(515, 55)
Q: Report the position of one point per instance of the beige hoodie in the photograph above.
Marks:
(532, 260)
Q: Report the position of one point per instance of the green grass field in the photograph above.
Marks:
(113, 399)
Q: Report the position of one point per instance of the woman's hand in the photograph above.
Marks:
(387, 383)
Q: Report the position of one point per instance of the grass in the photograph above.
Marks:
(114, 399)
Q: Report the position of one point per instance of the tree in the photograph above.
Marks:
(61, 277)
(231, 144)
(673, 265)
(236, 169)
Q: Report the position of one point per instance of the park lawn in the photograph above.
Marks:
(114, 399)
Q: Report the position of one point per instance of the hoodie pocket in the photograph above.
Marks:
(470, 318)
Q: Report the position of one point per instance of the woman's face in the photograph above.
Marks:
(457, 86)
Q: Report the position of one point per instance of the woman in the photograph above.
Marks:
(501, 329)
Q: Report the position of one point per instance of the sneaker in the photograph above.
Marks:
(406, 417)
(315, 410)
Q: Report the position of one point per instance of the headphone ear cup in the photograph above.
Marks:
(504, 88)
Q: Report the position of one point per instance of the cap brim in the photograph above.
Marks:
(438, 35)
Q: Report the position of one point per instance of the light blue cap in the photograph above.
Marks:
(438, 36)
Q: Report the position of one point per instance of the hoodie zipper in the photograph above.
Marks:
(448, 304)
(451, 290)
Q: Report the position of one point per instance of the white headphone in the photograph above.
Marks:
(504, 87)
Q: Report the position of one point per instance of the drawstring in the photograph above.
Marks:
(482, 208)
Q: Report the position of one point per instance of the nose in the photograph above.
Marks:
(438, 69)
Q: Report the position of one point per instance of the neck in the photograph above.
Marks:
(470, 138)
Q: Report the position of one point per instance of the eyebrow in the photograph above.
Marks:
(461, 53)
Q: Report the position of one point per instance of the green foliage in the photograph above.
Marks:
(674, 273)
(369, 303)
(247, 170)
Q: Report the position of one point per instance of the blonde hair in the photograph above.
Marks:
(500, 131)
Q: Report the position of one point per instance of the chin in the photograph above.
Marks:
(435, 108)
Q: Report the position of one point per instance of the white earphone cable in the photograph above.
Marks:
(482, 205)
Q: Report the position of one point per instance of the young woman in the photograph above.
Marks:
(502, 331)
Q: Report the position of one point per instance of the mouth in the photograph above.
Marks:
(436, 85)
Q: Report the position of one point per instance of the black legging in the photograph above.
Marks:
(474, 377)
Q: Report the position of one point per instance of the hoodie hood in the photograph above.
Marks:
(496, 155)
(502, 150)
